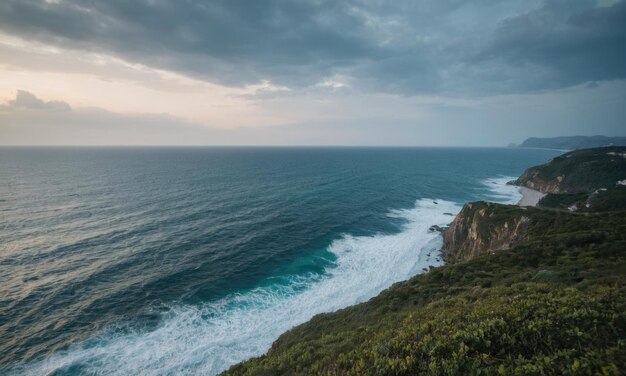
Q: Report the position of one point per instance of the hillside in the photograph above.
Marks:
(580, 171)
(597, 201)
(573, 142)
(553, 303)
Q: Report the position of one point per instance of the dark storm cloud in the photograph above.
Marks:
(565, 42)
(233, 42)
(405, 47)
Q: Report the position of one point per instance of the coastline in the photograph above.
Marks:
(530, 197)
(492, 275)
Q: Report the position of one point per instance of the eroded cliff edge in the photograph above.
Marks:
(483, 227)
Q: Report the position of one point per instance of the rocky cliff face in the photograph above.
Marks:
(534, 179)
(484, 227)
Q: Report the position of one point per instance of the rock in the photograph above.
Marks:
(436, 228)
(483, 227)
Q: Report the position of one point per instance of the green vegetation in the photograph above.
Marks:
(611, 199)
(554, 304)
(563, 201)
(580, 171)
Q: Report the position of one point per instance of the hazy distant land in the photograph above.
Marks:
(572, 142)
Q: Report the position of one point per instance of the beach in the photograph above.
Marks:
(530, 197)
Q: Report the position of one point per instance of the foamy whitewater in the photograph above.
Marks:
(503, 192)
(202, 260)
(209, 339)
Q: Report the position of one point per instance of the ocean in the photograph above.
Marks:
(165, 260)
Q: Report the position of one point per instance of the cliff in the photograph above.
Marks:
(483, 227)
(580, 171)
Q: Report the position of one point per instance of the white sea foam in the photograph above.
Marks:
(502, 192)
(210, 338)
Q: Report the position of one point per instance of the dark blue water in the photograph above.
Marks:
(187, 260)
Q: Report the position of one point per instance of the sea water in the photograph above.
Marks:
(151, 261)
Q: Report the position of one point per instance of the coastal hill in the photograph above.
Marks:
(578, 171)
(588, 180)
(573, 142)
(524, 291)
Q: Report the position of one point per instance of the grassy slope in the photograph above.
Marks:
(553, 305)
(600, 201)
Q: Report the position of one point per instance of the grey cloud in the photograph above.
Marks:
(564, 42)
(232, 42)
(406, 47)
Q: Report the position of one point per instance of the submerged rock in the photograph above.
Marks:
(437, 228)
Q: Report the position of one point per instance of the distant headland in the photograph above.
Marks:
(572, 142)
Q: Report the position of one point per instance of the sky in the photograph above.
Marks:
(310, 72)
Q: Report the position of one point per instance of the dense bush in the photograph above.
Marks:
(611, 199)
(563, 201)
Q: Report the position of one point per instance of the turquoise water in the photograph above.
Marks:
(187, 260)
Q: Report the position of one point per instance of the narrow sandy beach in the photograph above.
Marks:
(530, 197)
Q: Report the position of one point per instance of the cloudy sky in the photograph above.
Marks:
(310, 72)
